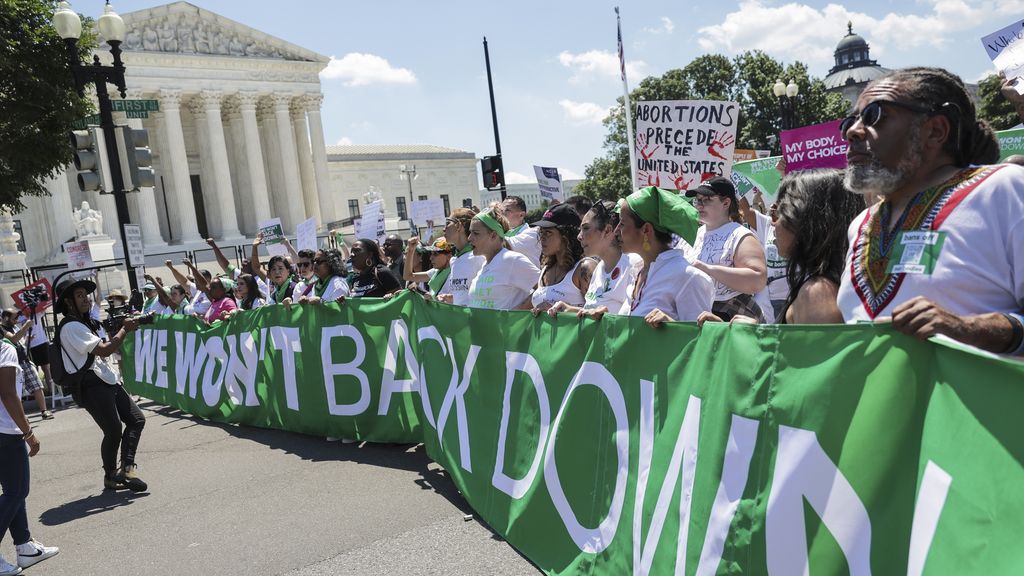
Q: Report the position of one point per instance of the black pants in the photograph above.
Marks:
(109, 406)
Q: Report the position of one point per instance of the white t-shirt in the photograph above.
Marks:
(565, 290)
(236, 273)
(78, 341)
(718, 247)
(464, 269)
(38, 331)
(979, 266)
(337, 288)
(764, 225)
(674, 287)
(526, 241)
(9, 358)
(612, 288)
(504, 282)
(200, 302)
(778, 285)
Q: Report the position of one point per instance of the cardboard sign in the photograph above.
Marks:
(305, 235)
(550, 183)
(136, 250)
(371, 225)
(1010, 142)
(79, 256)
(817, 146)
(761, 173)
(273, 236)
(425, 211)
(744, 154)
(1005, 47)
(681, 143)
(34, 298)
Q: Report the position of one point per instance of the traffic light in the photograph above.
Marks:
(135, 157)
(91, 160)
(494, 176)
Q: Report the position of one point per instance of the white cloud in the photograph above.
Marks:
(581, 113)
(599, 64)
(799, 31)
(358, 69)
(567, 174)
(666, 27)
(517, 178)
(344, 141)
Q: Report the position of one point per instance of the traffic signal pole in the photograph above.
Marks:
(494, 117)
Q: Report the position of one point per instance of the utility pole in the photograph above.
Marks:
(494, 117)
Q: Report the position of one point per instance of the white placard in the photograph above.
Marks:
(371, 225)
(136, 250)
(79, 256)
(424, 211)
(681, 143)
(273, 236)
(1005, 48)
(549, 182)
(305, 234)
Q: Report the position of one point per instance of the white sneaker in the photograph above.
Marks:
(349, 441)
(8, 569)
(31, 553)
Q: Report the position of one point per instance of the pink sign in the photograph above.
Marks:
(817, 146)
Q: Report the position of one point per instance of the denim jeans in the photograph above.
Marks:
(14, 479)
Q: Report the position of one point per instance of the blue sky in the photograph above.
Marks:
(413, 72)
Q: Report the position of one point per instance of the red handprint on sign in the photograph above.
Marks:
(650, 179)
(683, 180)
(641, 147)
(719, 143)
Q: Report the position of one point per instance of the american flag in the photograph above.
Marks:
(622, 54)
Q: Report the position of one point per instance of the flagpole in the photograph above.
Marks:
(627, 107)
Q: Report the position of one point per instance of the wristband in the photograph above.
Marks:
(1016, 345)
(28, 434)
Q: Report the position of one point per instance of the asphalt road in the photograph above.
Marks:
(229, 500)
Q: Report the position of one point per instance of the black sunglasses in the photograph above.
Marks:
(303, 264)
(872, 114)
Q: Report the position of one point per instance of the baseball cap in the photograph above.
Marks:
(717, 186)
(559, 215)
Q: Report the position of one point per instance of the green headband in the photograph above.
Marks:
(490, 222)
(666, 210)
(227, 283)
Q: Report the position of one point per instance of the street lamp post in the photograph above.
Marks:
(112, 27)
(787, 102)
(409, 174)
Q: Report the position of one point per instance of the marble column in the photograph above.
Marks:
(298, 111)
(294, 212)
(325, 196)
(239, 173)
(207, 183)
(211, 101)
(146, 200)
(60, 203)
(254, 162)
(277, 199)
(182, 216)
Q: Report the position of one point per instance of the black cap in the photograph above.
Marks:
(717, 186)
(559, 215)
(67, 287)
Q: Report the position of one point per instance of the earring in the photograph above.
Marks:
(647, 244)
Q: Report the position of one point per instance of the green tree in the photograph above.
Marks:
(38, 101)
(747, 80)
(992, 106)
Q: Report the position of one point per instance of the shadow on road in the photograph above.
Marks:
(85, 507)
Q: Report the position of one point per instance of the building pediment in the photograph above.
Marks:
(183, 28)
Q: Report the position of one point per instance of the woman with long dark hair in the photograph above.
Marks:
(328, 281)
(247, 293)
(565, 274)
(814, 212)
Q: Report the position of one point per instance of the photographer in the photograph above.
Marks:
(100, 390)
(29, 376)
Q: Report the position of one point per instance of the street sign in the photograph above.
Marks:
(84, 123)
(136, 114)
(133, 237)
(135, 105)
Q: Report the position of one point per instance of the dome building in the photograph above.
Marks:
(854, 67)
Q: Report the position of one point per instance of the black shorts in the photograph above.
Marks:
(40, 354)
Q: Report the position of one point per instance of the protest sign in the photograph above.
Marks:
(136, 250)
(761, 173)
(78, 254)
(34, 298)
(305, 235)
(273, 236)
(427, 212)
(681, 143)
(1005, 48)
(550, 183)
(817, 146)
(606, 447)
(1010, 142)
(743, 154)
(371, 225)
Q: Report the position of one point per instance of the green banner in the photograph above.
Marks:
(609, 447)
(1010, 142)
(760, 173)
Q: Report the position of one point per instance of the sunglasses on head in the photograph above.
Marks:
(871, 114)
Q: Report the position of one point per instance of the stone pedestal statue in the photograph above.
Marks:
(89, 227)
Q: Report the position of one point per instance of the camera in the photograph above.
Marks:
(116, 315)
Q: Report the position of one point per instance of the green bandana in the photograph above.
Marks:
(227, 283)
(516, 230)
(666, 211)
(280, 291)
(490, 222)
(437, 282)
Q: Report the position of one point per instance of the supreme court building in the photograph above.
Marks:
(238, 139)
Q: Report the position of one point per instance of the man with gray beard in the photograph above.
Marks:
(943, 252)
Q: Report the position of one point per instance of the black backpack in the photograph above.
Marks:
(69, 382)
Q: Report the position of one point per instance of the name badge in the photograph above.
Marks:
(916, 252)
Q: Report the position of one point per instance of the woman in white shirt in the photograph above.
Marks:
(729, 253)
(616, 270)
(668, 287)
(505, 280)
(464, 264)
(565, 274)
